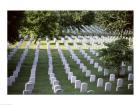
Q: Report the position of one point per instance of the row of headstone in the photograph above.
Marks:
(77, 83)
(106, 73)
(12, 53)
(29, 86)
(56, 87)
(71, 77)
(12, 78)
(91, 61)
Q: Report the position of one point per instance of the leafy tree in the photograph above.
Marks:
(115, 53)
(115, 20)
(14, 23)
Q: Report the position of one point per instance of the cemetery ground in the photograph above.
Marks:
(42, 82)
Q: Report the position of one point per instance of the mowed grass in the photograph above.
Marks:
(42, 84)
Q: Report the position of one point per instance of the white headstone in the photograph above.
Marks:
(130, 86)
(112, 77)
(73, 78)
(27, 92)
(92, 78)
(119, 82)
(55, 82)
(69, 75)
(130, 77)
(56, 87)
(52, 79)
(29, 86)
(84, 69)
(129, 68)
(91, 61)
(100, 69)
(106, 72)
(83, 87)
(88, 73)
(96, 65)
(108, 86)
(77, 84)
(100, 82)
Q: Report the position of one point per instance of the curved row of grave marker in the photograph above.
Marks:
(29, 86)
(11, 79)
(78, 84)
(56, 87)
(119, 81)
(12, 53)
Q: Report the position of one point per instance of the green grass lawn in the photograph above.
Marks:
(42, 84)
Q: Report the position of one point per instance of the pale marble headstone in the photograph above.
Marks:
(69, 75)
(88, 73)
(108, 86)
(83, 87)
(29, 86)
(106, 72)
(77, 84)
(129, 68)
(130, 77)
(130, 86)
(100, 69)
(55, 82)
(27, 92)
(92, 78)
(112, 77)
(96, 65)
(119, 82)
(73, 78)
(100, 82)
(81, 65)
(84, 69)
(56, 88)
(52, 79)
(91, 61)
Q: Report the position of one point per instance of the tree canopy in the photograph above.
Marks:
(53, 23)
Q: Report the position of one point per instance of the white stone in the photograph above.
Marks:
(108, 86)
(55, 82)
(130, 86)
(15, 74)
(97, 54)
(84, 69)
(83, 87)
(100, 69)
(69, 75)
(106, 72)
(130, 77)
(27, 92)
(29, 86)
(88, 73)
(119, 82)
(96, 65)
(56, 88)
(77, 84)
(92, 78)
(73, 78)
(112, 77)
(129, 69)
(67, 70)
(81, 65)
(52, 79)
(100, 82)
(91, 61)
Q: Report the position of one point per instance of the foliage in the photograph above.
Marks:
(117, 52)
(14, 23)
(115, 20)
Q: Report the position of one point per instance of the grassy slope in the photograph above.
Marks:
(42, 85)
